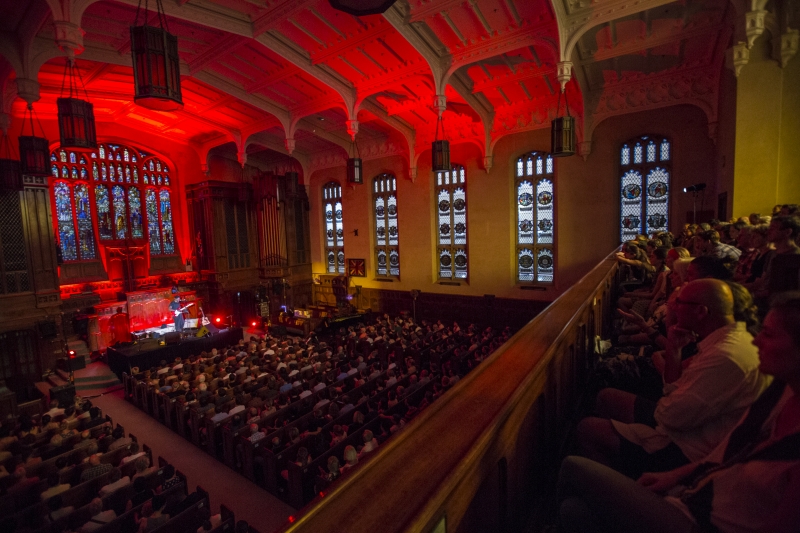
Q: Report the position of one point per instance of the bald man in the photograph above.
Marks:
(701, 402)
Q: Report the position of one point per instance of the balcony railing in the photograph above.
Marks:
(482, 457)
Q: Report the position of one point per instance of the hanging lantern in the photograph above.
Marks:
(562, 131)
(440, 150)
(75, 116)
(355, 172)
(10, 174)
(156, 65)
(292, 180)
(360, 8)
(34, 152)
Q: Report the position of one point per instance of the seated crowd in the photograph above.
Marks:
(696, 425)
(69, 471)
(295, 414)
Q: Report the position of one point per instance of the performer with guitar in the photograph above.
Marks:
(177, 312)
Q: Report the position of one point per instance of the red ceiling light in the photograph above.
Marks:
(156, 65)
(75, 116)
(34, 152)
(360, 8)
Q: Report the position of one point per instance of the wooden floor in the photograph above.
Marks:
(247, 500)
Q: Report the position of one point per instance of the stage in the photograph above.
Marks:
(147, 353)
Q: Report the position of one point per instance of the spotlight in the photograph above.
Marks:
(695, 188)
(218, 320)
(254, 323)
(71, 354)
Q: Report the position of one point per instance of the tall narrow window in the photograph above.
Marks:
(645, 168)
(535, 194)
(334, 232)
(387, 237)
(451, 208)
(75, 234)
(153, 228)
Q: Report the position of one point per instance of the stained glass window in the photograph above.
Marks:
(451, 217)
(105, 221)
(387, 235)
(334, 230)
(644, 187)
(167, 237)
(153, 228)
(75, 228)
(535, 229)
(119, 210)
(135, 212)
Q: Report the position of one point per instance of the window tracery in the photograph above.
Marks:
(451, 208)
(645, 168)
(107, 181)
(535, 230)
(334, 231)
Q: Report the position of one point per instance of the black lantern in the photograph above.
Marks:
(10, 175)
(292, 181)
(34, 152)
(359, 8)
(562, 131)
(440, 151)
(156, 65)
(75, 116)
(355, 172)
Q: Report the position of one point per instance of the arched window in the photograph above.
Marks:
(334, 232)
(645, 168)
(108, 179)
(387, 237)
(451, 209)
(534, 187)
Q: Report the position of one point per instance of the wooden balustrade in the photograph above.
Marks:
(481, 457)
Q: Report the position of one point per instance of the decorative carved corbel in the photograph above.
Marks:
(412, 174)
(790, 42)
(487, 163)
(290, 145)
(28, 89)
(352, 128)
(741, 56)
(69, 37)
(584, 149)
(440, 104)
(713, 129)
(755, 24)
(564, 73)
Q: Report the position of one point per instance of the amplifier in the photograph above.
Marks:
(65, 394)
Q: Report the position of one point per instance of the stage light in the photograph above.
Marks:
(218, 320)
(254, 323)
(71, 354)
(695, 188)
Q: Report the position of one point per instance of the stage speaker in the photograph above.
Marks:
(65, 395)
(202, 332)
(76, 362)
(173, 337)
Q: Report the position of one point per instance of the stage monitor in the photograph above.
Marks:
(173, 337)
(65, 394)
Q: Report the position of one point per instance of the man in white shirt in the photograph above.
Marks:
(701, 403)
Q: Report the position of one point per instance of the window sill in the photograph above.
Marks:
(534, 287)
(449, 283)
(386, 280)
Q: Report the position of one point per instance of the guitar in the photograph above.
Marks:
(181, 310)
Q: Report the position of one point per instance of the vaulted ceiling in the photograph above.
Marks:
(278, 76)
